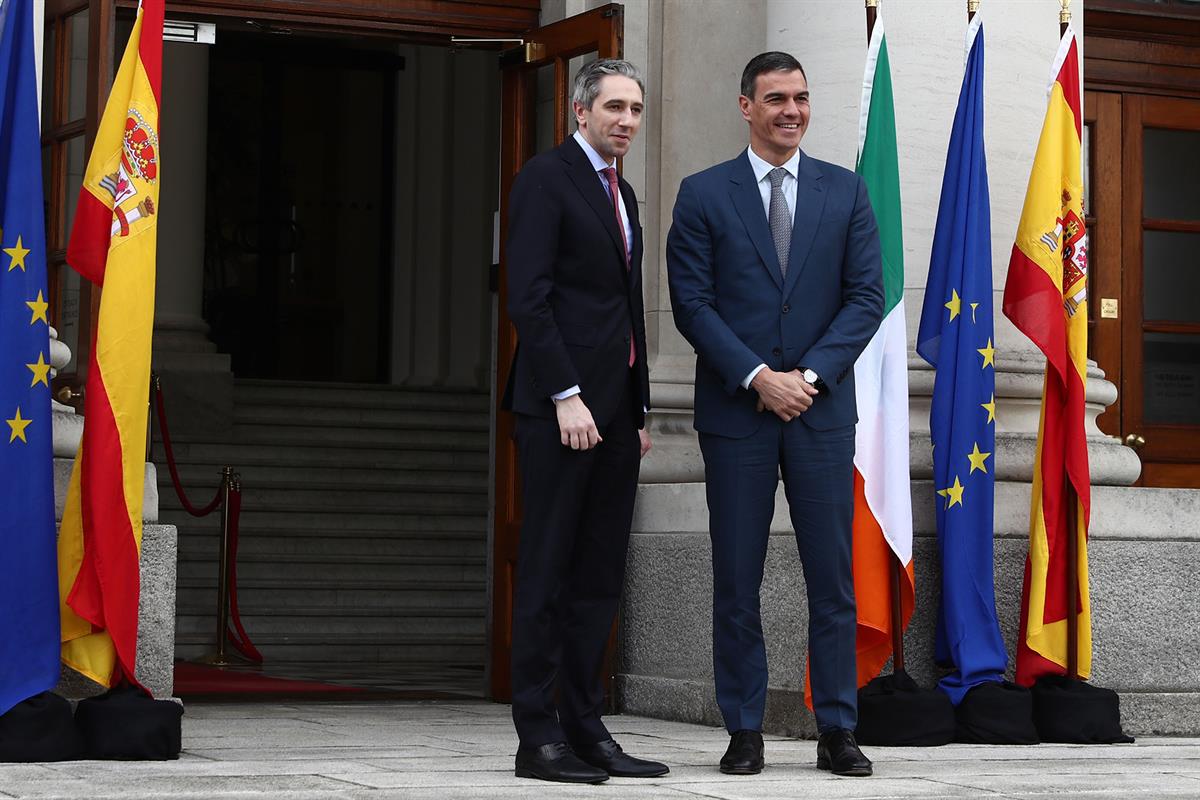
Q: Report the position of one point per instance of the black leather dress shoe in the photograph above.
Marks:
(838, 752)
(745, 754)
(609, 756)
(556, 762)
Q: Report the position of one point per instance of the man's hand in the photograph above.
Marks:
(576, 427)
(785, 394)
(644, 439)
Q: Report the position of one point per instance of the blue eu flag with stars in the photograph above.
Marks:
(29, 628)
(956, 338)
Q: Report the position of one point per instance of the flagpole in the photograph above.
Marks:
(894, 565)
(1064, 19)
(972, 7)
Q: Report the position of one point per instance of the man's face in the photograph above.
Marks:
(778, 114)
(614, 118)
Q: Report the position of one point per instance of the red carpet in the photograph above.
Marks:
(200, 681)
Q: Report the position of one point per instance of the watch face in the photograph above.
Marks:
(810, 376)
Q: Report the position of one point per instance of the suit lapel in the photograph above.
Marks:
(748, 202)
(635, 251)
(810, 202)
(589, 185)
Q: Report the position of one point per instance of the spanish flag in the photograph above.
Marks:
(1046, 298)
(113, 245)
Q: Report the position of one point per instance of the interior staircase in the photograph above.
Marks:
(363, 539)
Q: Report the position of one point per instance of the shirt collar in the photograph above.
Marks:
(598, 163)
(761, 167)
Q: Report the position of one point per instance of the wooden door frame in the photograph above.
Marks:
(601, 31)
(1102, 114)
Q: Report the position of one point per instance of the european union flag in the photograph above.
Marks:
(29, 629)
(956, 338)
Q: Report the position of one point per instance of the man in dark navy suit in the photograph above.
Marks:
(580, 389)
(774, 267)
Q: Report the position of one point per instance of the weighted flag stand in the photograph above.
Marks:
(1066, 708)
(892, 709)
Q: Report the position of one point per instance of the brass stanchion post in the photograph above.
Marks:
(221, 658)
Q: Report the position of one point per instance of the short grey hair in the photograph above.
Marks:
(587, 80)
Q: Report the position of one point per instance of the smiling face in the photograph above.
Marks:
(778, 114)
(614, 118)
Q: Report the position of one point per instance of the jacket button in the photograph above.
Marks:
(776, 352)
(786, 308)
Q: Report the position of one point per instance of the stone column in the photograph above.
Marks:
(197, 380)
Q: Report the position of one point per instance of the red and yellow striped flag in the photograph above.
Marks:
(113, 245)
(1046, 298)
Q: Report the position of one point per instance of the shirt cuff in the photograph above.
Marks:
(750, 377)
(564, 394)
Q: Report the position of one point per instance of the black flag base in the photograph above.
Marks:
(996, 712)
(893, 711)
(126, 724)
(40, 728)
(1073, 711)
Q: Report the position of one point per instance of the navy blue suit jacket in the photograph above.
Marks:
(572, 299)
(732, 303)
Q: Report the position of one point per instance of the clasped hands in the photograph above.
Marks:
(577, 430)
(785, 394)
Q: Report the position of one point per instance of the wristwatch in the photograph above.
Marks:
(813, 379)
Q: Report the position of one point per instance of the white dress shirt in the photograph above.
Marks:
(761, 170)
(599, 164)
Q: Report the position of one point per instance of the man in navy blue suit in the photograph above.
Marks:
(774, 267)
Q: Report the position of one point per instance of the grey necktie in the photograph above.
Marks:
(780, 218)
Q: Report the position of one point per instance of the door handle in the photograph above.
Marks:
(1135, 440)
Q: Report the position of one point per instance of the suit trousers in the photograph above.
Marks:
(578, 506)
(741, 477)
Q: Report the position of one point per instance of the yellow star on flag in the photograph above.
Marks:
(38, 307)
(18, 426)
(977, 459)
(989, 355)
(954, 494)
(973, 307)
(16, 255)
(991, 408)
(41, 371)
(955, 304)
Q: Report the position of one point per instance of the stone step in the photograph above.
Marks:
(375, 418)
(363, 437)
(287, 476)
(352, 648)
(255, 592)
(319, 622)
(331, 498)
(203, 543)
(322, 521)
(344, 395)
(244, 455)
(346, 570)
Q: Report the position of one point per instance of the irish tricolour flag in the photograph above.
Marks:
(882, 499)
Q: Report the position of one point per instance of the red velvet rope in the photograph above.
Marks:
(237, 636)
(166, 435)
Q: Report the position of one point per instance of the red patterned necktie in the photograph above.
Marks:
(614, 191)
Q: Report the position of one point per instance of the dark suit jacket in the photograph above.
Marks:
(733, 305)
(572, 300)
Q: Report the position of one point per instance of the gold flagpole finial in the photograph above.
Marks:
(972, 6)
(872, 4)
(1064, 15)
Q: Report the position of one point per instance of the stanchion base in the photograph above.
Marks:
(221, 660)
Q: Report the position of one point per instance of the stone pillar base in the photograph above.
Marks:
(197, 381)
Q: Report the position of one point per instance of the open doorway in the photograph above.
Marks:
(348, 202)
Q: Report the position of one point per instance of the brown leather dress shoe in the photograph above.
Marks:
(838, 752)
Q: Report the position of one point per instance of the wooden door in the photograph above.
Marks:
(77, 72)
(535, 107)
(1160, 375)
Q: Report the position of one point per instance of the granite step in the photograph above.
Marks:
(395, 419)
(319, 622)
(286, 476)
(368, 437)
(400, 649)
(198, 543)
(246, 455)
(285, 394)
(331, 498)
(343, 570)
(264, 592)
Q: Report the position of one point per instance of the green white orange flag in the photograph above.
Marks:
(1046, 298)
(882, 488)
(113, 245)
